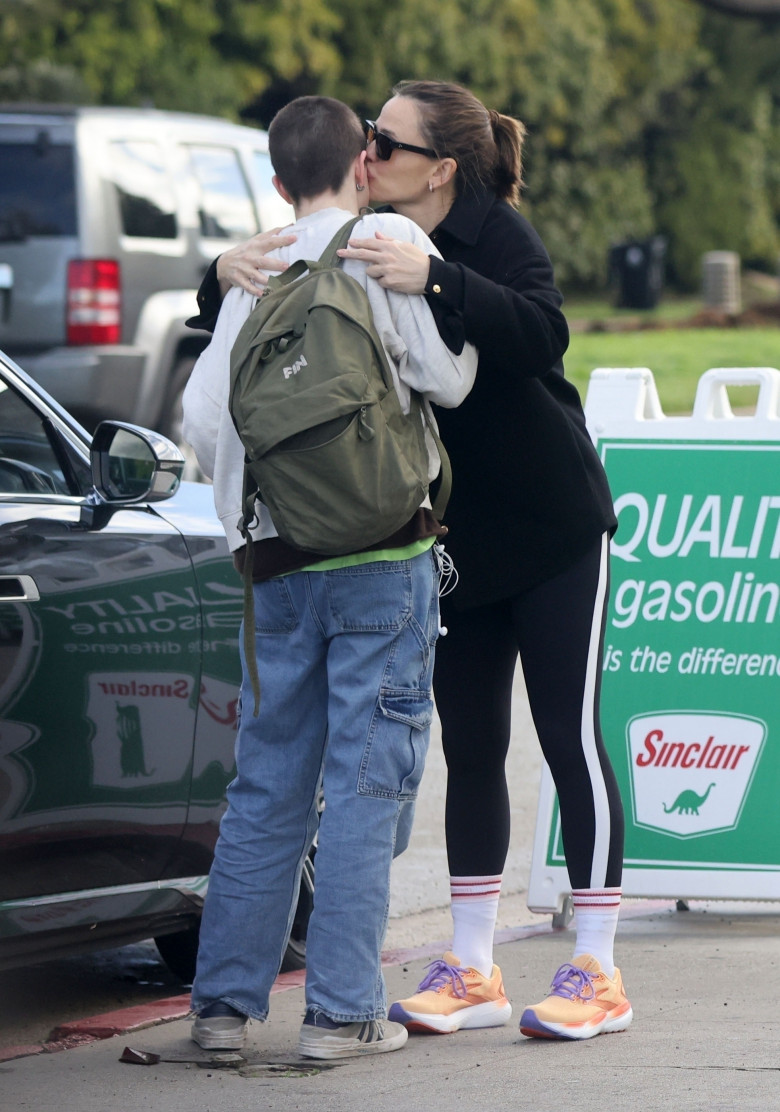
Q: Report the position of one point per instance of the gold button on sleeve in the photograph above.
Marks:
(436, 288)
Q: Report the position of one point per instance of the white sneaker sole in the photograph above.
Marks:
(332, 1046)
(536, 1028)
(478, 1015)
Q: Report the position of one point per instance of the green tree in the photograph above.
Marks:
(643, 116)
(715, 166)
(596, 78)
(211, 56)
(119, 52)
(588, 77)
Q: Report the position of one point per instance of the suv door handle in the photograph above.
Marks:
(18, 588)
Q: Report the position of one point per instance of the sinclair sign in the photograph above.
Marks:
(691, 686)
(690, 773)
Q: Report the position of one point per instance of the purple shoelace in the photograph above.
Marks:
(572, 982)
(440, 972)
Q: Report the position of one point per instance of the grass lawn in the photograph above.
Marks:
(677, 357)
(601, 308)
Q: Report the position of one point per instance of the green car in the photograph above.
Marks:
(119, 674)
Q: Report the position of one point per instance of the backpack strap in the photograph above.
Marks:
(250, 495)
(328, 258)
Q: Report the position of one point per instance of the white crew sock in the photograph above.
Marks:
(596, 913)
(474, 911)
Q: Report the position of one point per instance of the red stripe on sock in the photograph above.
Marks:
(474, 895)
(596, 892)
(605, 898)
(474, 881)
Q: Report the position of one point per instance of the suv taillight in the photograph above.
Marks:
(93, 314)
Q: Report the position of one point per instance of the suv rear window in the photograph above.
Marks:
(146, 201)
(37, 190)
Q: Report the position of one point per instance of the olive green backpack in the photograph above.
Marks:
(328, 449)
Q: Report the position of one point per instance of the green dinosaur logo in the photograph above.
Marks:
(688, 802)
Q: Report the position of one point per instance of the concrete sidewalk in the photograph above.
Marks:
(704, 985)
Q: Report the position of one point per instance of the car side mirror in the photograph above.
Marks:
(131, 464)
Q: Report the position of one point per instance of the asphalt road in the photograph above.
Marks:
(35, 999)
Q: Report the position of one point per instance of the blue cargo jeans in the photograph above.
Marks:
(345, 660)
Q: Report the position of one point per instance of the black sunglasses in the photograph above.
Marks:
(385, 145)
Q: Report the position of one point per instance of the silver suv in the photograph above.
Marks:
(109, 218)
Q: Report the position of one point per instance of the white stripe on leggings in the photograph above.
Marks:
(598, 870)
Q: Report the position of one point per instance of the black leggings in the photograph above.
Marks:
(558, 630)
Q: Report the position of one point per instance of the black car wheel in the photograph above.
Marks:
(179, 951)
(295, 954)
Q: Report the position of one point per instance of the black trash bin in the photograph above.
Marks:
(636, 271)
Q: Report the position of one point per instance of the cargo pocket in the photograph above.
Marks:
(394, 756)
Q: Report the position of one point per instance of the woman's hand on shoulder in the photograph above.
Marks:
(245, 264)
(396, 264)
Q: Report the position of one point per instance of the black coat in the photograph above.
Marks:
(530, 495)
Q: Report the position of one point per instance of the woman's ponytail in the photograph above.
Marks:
(486, 145)
(508, 134)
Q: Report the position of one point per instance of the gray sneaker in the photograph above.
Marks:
(219, 1027)
(372, 1036)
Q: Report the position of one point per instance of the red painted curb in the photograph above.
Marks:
(11, 1052)
(296, 978)
(126, 1019)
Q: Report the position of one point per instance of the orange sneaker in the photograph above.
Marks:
(583, 1002)
(451, 997)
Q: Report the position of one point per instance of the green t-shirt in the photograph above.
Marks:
(416, 548)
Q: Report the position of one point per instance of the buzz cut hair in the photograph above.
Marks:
(313, 142)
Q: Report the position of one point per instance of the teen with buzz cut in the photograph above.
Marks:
(344, 650)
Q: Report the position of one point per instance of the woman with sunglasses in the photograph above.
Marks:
(529, 522)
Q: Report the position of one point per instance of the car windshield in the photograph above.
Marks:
(37, 190)
(29, 461)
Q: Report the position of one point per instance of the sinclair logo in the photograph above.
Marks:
(691, 771)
